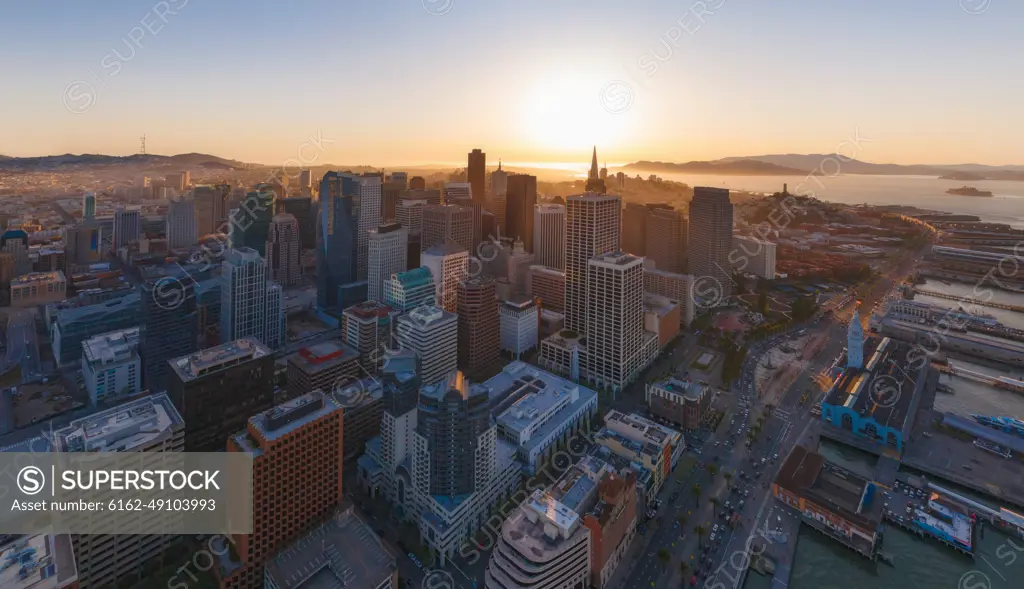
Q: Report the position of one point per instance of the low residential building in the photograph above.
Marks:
(683, 402)
(38, 288)
(111, 367)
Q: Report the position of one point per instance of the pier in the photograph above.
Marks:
(1001, 382)
(970, 300)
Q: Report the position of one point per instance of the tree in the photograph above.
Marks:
(714, 502)
(682, 519)
(728, 478)
(712, 469)
(684, 568)
(699, 530)
(696, 492)
(663, 556)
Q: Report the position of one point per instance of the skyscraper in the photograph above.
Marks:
(476, 172)
(549, 235)
(167, 314)
(666, 238)
(634, 229)
(592, 226)
(409, 213)
(88, 206)
(407, 290)
(283, 250)
(417, 183)
(479, 329)
(336, 247)
(250, 223)
(710, 241)
(401, 178)
(127, 227)
(182, 229)
(520, 200)
(595, 183)
(390, 195)
(615, 319)
(305, 179)
(387, 256)
(250, 305)
(458, 193)
(449, 265)
(210, 211)
(301, 207)
(447, 224)
(499, 196)
(367, 327)
(432, 334)
(369, 186)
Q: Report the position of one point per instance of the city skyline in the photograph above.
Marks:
(739, 78)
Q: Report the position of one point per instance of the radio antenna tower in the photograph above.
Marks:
(142, 147)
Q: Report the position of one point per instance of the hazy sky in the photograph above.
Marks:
(927, 81)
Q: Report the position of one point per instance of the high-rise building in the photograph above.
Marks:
(520, 325)
(754, 256)
(388, 249)
(182, 229)
(449, 265)
(417, 183)
(433, 197)
(401, 178)
(301, 207)
(549, 235)
(616, 339)
(210, 208)
(15, 242)
(710, 241)
(7, 276)
(367, 327)
(595, 182)
(82, 243)
(458, 193)
(283, 250)
(479, 328)
(127, 227)
(167, 314)
(336, 255)
(432, 334)
(305, 179)
(400, 394)
(675, 287)
(390, 195)
(407, 290)
(519, 202)
(250, 305)
(179, 181)
(592, 227)
(499, 197)
(111, 367)
(370, 194)
(88, 206)
(409, 213)
(325, 367)
(105, 560)
(74, 325)
(453, 447)
(446, 224)
(216, 388)
(297, 450)
(665, 236)
(250, 223)
(548, 286)
(476, 173)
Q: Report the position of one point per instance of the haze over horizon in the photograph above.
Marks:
(527, 81)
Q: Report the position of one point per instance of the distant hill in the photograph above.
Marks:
(186, 160)
(745, 167)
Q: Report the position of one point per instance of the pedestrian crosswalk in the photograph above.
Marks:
(781, 414)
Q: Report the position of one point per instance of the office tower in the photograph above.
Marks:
(710, 241)
(447, 224)
(88, 206)
(369, 192)
(404, 291)
(476, 173)
(208, 312)
(479, 328)
(210, 208)
(336, 247)
(548, 286)
(512, 264)
(367, 328)
(325, 367)
(519, 323)
(38, 288)
(409, 214)
(127, 227)
(216, 388)
(458, 193)
(433, 197)
(250, 305)
(615, 318)
(283, 250)
(234, 200)
(499, 192)
(549, 235)
(388, 244)
(432, 333)
(519, 204)
(111, 367)
(82, 244)
(595, 183)
(50, 259)
(753, 256)
(454, 440)
(7, 276)
(178, 181)
(15, 242)
(417, 183)
(449, 265)
(390, 195)
(676, 287)
(106, 560)
(182, 229)
(401, 178)
(250, 222)
(591, 229)
(167, 308)
(297, 450)
(665, 234)
(634, 229)
(305, 180)
(73, 325)
(400, 394)
(301, 207)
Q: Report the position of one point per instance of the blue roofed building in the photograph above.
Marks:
(410, 289)
(72, 326)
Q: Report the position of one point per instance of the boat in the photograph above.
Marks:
(1009, 425)
(968, 191)
(993, 448)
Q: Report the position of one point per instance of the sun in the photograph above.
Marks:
(563, 116)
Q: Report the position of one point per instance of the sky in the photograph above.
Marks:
(388, 82)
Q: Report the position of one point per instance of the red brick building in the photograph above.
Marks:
(612, 525)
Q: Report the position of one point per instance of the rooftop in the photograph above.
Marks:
(323, 356)
(141, 422)
(416, 277)
(43, 561)
(219, 357)
(809, 475)
(36, 277)
(446, 249)
(520, 301)
(342, 553)
(287, 417)
(619, 259)
(109, 347)
(870, 391)
(687, 388)
(426, 315)
(368, 310)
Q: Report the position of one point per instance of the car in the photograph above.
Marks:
(712, 537)
(715, 529)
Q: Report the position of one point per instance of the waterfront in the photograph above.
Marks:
(984, 292)
(974, 397)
